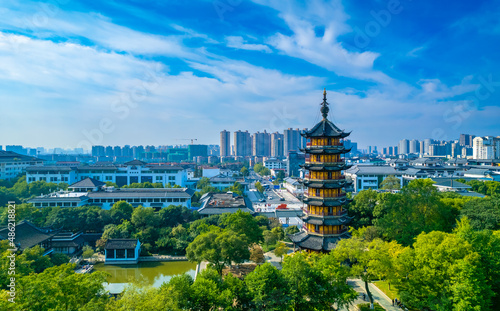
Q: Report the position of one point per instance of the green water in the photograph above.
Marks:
(149, 272)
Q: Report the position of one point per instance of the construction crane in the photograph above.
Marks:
(191, 139)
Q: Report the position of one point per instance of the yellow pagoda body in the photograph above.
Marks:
(325, 217)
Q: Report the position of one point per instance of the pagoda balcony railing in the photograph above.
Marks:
(339, 143)
(339, 213)
(308, 176)
(336, 232)
(338, 163)
(341, 196)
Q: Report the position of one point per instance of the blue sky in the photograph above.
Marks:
(76, 73)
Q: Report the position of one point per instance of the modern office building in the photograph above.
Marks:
(325, 220)
(487, 148)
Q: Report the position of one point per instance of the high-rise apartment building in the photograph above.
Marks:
(292, 140)
(225, 143)
(487, 148)
(261, 144)
(403, 146)
(277, 140)
(242, 144)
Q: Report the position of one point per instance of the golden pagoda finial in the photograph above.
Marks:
(324, 106)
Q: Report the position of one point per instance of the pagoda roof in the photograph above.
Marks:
(325, 128)
(327, 221)
(316, 242)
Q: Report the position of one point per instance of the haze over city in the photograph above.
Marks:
(80, 73)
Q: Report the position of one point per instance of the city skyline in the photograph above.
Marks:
(78, 74)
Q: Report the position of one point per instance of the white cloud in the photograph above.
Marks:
(316, 26)
(237, 42)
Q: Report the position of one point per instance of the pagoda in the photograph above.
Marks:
(325, 217)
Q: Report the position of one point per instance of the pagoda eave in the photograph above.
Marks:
(328, 184)
(315, 201)
(326, 150)
(325, 166)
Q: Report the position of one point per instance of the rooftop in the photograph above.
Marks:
(87, 183)
(121, 243)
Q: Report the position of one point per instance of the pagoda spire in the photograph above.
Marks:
(324, 106)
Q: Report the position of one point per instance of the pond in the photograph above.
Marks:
(153, 273)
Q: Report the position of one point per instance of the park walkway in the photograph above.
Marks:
(378, 295)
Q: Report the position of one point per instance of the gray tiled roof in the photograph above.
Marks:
(9, 156)
(53, 168)
(142, 193)
(87, 183)
(448, 182)
(121, 243)
(315, 242)
(374, 170)
(28, 235)
(325, 128)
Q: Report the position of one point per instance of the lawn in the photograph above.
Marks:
(384, 286)
(366, 307)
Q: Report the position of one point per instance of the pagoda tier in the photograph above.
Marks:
(325, 149)
(326, 166)
(318, 242)
(325, 219)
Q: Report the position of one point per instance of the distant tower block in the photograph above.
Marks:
(325, 218)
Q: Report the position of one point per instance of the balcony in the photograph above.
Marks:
(322, 232)
(339, 213)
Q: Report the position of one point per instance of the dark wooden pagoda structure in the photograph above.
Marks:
(325, 218)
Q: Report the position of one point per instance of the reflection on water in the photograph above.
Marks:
(152, 273)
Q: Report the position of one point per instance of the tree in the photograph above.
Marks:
(244, 224)
(59, 288)
(144, 217)
(257, 254)
(416, 209)
(120, 211)
(450, 271)
(270, 238)
(88, 252)
(203, 182)
(483, 213)
(244, 171)
(268, 288)
(291, 230)
(362, 208)
(280, 176)
(219, 248)
(391, 182)
(259, 187)
(281, 250)
(369, 260)
(280, 233)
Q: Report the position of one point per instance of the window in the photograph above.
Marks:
(317, 193)
(130, 253)
(159, 178)
(171, 177)
(318, 157)
(110, 253)
(109, 177)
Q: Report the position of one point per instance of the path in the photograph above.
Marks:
(378, 295)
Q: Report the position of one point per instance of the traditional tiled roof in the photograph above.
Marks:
(121, 243)
(325, 128)
(9, 156)
(135, 162)
(220, 203)
(143, 193)
(315, 242)
(28, 235)
(87, 183)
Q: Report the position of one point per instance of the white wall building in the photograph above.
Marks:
(487, 148)
(273, 163)
(131, 172)
(13, 164)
